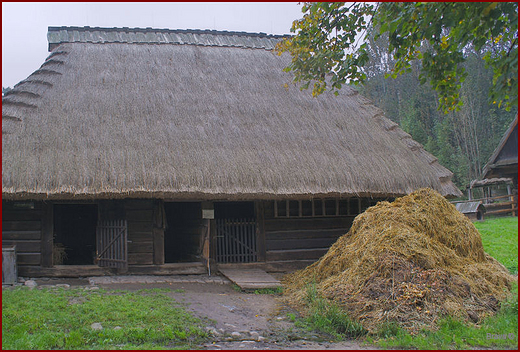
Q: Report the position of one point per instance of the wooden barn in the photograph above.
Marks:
(154, 151)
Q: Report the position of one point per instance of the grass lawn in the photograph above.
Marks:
(500, 240)
(57, 318)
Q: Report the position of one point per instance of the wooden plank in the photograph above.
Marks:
(65, 271)
(281, 224)
(21, 235)
(24, 246)
(134, 226)
(305, 234)
(168, 269)
(260, 230)
(28, 258)
(140, 258)
(17, 215)
(137, 247)
(250, 278)
(138, 204)
(21, 225)
(140, 236)
(300, 243)
(47, 223)
(139, 215)
(296, 254)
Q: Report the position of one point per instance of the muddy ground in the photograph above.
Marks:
(235, 319)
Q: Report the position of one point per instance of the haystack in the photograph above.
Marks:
(409, 262)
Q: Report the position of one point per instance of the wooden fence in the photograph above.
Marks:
(498, 205)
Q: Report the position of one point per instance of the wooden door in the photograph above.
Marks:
(112, 244)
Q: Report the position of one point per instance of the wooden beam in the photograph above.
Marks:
(260, 230)
(47, 228)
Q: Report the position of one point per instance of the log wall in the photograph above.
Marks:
(22, 227)
(300, 238)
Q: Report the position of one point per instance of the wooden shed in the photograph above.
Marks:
(473, 210)
(165, 151)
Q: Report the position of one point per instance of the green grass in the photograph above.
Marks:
(62, 318)
(327, 317)
(500, 240)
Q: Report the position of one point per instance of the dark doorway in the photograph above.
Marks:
(74, 234)
(183, 233)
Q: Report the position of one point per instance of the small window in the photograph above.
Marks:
(343, 207)
(294, 208)
(280, 208)
(306, 207)
(353, 206)
(365, 203)
(318, 207)
(330, 207)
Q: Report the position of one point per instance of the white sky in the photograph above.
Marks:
(24, 25)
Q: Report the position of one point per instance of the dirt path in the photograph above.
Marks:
(236, 320)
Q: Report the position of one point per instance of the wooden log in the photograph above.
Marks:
(21, 235)
(260, 231)
(296, 254)
(305, 234)
(65, 271)
(308, 223)
(22, 214)
(28, 258)
(140, 258)
(21, 225)
(47, 224)
(300, 243)
(24, 246)
(139, 215)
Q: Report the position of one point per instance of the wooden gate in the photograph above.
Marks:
(112, 244)
(236, 240)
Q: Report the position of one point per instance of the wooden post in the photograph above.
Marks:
(511, 199)
(213, 245)
(260, 231)
(9, 269)
(158, 232)
(47, 234)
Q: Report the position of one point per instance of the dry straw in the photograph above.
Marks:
(410, 262)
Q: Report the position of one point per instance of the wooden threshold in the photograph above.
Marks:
(249, 279)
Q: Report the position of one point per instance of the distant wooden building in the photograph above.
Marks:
(503, 163)
(163, 151)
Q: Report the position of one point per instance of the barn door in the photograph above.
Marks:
(112, 247)
(236, 241)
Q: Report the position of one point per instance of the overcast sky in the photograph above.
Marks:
(24, 25)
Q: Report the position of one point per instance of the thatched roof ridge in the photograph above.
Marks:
(197, 122)
(59, 35)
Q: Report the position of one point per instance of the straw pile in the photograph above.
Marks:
(410, 262)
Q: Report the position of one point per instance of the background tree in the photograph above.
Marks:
(329, 49)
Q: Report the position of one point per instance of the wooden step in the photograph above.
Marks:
(250, 279)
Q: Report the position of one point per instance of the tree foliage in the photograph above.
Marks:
(330, 47)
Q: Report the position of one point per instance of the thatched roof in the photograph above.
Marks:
(505, 155)
(195, 115)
